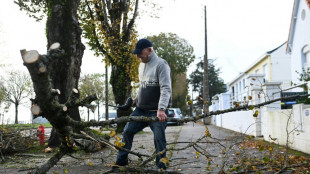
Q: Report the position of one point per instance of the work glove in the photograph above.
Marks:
(126, 106)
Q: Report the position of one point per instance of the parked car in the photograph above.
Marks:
(175, 113)
(112, 115)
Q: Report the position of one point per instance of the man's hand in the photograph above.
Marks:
(161, 115)
(134, 102)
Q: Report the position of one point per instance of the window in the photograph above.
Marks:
(237, 91)
(304, 56)
(233, 91)
(243, 86)
(266, 72)
(303, 14)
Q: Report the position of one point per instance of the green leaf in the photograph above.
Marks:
(266, 159)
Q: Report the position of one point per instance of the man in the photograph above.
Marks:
(154, 97)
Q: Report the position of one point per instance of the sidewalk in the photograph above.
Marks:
(185, 161)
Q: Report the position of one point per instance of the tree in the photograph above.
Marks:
(17, 88)
(94, 84)
(2, 92)
(216, 84)
(175, 50)
(179, 55)
(110, 30)
(2, 98)
(62, 27)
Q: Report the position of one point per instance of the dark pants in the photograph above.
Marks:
(132, 128)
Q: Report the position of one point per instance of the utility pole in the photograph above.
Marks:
(205, 76)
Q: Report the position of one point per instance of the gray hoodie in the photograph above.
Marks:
(155, 84)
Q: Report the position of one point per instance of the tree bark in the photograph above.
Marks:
(98, 110)
(16, 113)
(121, 86)
(63, 28)
(87, 114)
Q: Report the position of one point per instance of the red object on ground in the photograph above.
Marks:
(40, 134)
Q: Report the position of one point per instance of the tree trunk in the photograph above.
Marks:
(16, 113)
(63, 27)
(98, 110)
(87, 114)
(106, 94)
(121, 85)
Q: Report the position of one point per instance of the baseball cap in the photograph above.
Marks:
(141, 44)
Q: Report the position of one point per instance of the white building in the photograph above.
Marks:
(298, 45)
(272, 66)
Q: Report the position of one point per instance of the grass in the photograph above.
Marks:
(37, 149)
(24, 126)
(107, 129)
(142, 132)
(282, 148)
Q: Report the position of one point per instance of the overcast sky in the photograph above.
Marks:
(239, 31)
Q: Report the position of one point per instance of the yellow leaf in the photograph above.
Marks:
(250, 97)
(251, 107)
(122, 144)
(190, 102)
(118, 138)
(208, 168)
(197, 153)
(112, 133)
(254, 167)
(117, 144)
(66, 171)
(270, 148)
(196, 156)
(164, 160)
(237, 153)
(90, 164)
(237, 104)
(255, 113)
(208, 133)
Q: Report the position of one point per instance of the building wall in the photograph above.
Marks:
(281, 67)
(258, 68)
(301, 37)
(240, 91)
(273, 125)
(275, 122)
(233, 122)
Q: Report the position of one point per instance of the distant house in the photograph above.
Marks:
(298, 44)
(273, 66)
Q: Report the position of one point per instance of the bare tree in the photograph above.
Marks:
(17, 88)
